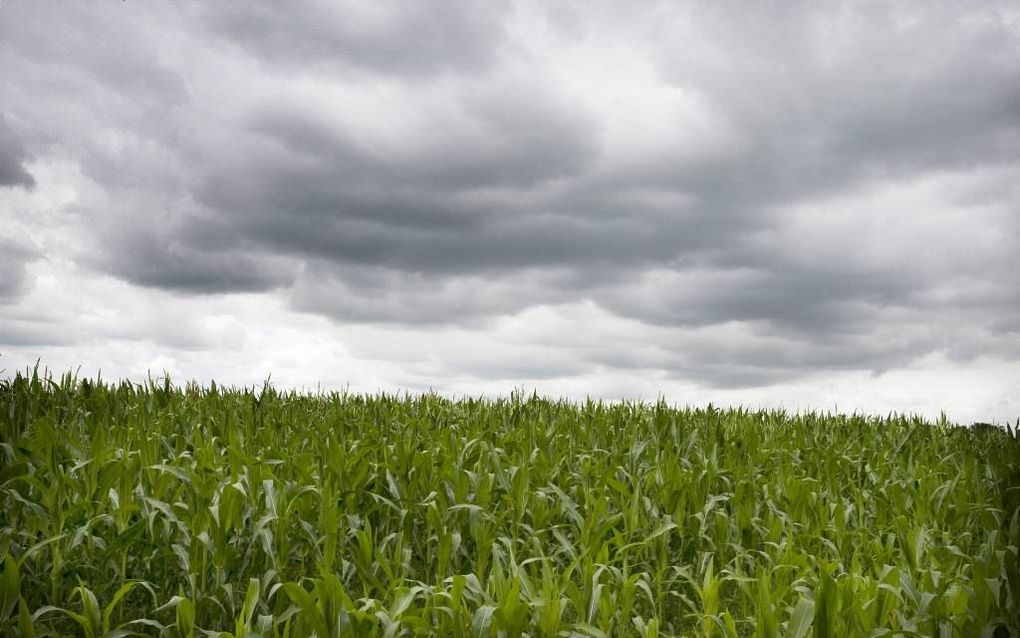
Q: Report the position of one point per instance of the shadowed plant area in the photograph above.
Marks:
(203, 511)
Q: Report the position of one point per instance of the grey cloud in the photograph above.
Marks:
(801, 301)
(381, 295)
(77, 70)
(145, 260)
(12, 169)
(799, 323)
(762, 358)
(13, 275)
(12, 159)
(513, 134)
(31, 333)
(386, 37)
(908, 118)
(827, 97)
(422, 166)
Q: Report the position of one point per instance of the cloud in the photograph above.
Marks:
(12, 159)
(739, 195)
(381, 37)
(381, 295)
(172, 265)
(14, 257)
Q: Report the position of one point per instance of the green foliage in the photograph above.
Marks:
(155, 509)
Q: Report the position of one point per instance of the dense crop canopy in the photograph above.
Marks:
(188, 511)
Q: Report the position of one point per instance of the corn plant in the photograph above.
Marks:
(187, 511)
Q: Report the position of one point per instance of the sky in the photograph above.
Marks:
(812, 206)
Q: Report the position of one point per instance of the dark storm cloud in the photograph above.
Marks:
(447, 164)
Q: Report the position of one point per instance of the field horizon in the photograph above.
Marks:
(165, 378)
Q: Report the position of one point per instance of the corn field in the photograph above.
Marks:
(163, 510)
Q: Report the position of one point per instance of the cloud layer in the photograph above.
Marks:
(718, 195)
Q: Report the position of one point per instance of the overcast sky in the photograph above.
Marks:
(810, 205)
